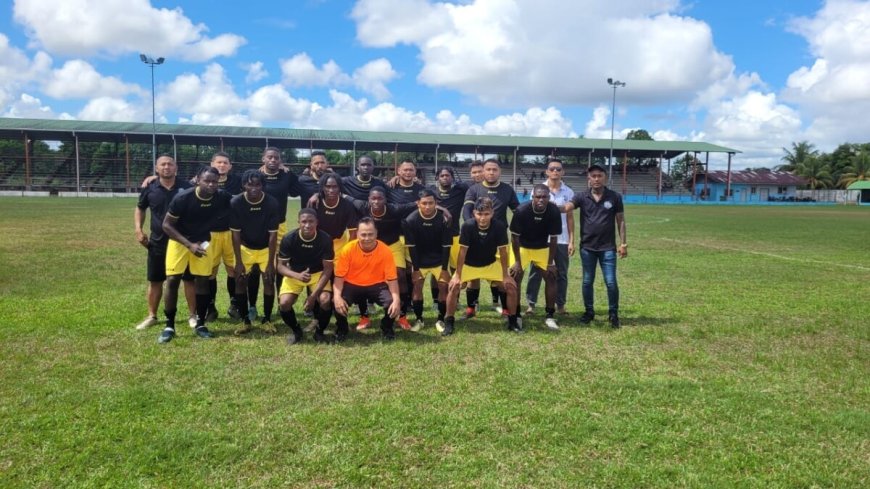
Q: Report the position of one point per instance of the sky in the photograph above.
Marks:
(750, 75)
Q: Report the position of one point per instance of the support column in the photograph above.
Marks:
(624, 172)
(127, 161)
(728, 180)
(706, 171)
(694, 175)
(27, 163)
(78, 168)
(659, 194)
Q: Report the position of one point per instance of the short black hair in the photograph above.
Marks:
(492, 160)
(218, 154)
(541, 186)
(207, 169)
(271, 148)
(318, 152)
(426, 192)
(251, 175)
(595, 166)
(448, 169)
(307, 210)
(475, 163)
(555, 160)
(483, 204)
(366, 220)
(378, 188)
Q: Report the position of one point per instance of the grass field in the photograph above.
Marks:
(743, 361)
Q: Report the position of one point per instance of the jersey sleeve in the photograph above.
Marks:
(329, 253)
(408, 231)
(285, 247)
(342, 261)
(176, 207)
(273, 219)
(555, 224)
(352, 215)
(465, 235)
(502, 235)
(468, 204)
(385, 257)
(618, 207)
(143, 198)
(516, 222)
(236, 216)
(514, 202)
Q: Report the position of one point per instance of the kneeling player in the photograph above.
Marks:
(305, 261)
(481, 241)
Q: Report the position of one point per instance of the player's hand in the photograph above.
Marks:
(509, 280)
(196, 249)
(269, 273)
(304, 275)
(622, 251)
(444, 276)
(142, 238)
(455, 281)
(515, 270)
(340, 305)
(309, 302)
(392, 182)
(552, 271)
(394, 309)
(571, 249)
(148, 180)
(240, 269)
(313, 201)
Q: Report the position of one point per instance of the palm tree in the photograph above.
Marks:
(816, 171)
(858, 169)
(799, 153)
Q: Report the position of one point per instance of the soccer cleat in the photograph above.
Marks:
(469, 313)
(203, 332)
(587, 317)
(147, 323)
(268, 327)
(418, 325)
(403, 323)
(191, 320)
(448, 329)
(320, 337)
(212, 314)
(166, 336)
(243, 329)
(614, 321)
(530, 309)
(364, 322)
(388, 335)
(551, 324)
(294, 337)
(252, 313)
(439, 326)
(311, 326)
(516, 328)
(497, 308)
(562, 311)
(233, 312)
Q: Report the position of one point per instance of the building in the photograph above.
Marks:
(747, 186)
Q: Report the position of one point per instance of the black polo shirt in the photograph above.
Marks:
(300, 254)
(428, 240)
(196, 216)
(280, 185)
(503, 198)
(156, 198)
(401, 194)
(307, 186)
(451, 199)
(388, 224)
(254, 220)
(230, 183)
(482, 244)
(536, 229)
(334, 221)
(359, 189)
(598, 219)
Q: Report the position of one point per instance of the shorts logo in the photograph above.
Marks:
(608, 205)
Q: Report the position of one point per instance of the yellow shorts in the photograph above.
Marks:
(282, 230)
(407, 251)
(221, 249)
(454, 252)
(338, 243)
(295, 287)
(536, 257)
(398, 250)
(491, 273)
(255, 257)
(178, 258)
(434, 271)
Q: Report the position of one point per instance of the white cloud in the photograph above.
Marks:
(299, 71)
(273, 103)
(373, 76)
(755, 123)
(114, 109)
(536, 121)
(211, 95)
(515, 51)
(256, 72)
(78, 79)
(116, 27)
(17, 71)
(29, 107)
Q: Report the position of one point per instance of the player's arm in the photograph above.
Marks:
(337, 300)
(503, 257)
(396, 305)
(517, 267)
(169, 228)
(270, 265)
(448, 217)
(325, 275)
(455, 281)
(622, 248)
(569, 221)
(236, 235)
(138, 222)
(147, 181)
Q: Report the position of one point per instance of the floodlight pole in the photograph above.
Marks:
(613, 83)
(152, 62)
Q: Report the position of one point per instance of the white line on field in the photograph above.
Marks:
(770, 255)
(662, 220)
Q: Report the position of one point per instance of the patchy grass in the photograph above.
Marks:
(743, 362)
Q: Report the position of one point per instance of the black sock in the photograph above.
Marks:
(212, 292)
(268, 302)
(253, 290)
(201, 309)
(512, 320)
(322, 318)
(442, 310)
(231, 290)
(503, 299)
(471, 296)
(495, 294)
(340, 323)
(434, 292)
(363, 306)
(406, 299)
(418, 309)
(170, 318)
(550, 311)
(289, 318)
(242, 298)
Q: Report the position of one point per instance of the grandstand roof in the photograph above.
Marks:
(859, 185)
(140, 132)
(753, 177)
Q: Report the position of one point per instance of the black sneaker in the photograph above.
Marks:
(203, 332)
(294, 337)
(321, 337)
(233, 312)
(448, 329)
(211, 315)
(388, 334)
(614, 321)
(587, 317)
(166, 336)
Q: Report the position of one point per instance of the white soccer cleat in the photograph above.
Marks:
(418, 325)
(439, 326)
(551, 324)
(192, 320)
(147, 323)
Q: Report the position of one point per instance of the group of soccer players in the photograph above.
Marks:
(358, 241)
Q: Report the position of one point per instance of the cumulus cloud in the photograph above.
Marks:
(300, 71)
(29, 107)
(256, 72)
(115, 27)
(114, 109)
(373, 77)
(273, 103)
(78, 79)
(211, 94)
(18, 70)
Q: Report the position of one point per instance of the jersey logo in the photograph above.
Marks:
(607, 204)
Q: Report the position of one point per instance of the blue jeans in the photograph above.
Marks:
(590, 261)
(534, 285)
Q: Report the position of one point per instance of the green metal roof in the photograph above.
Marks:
(140, 132)
(859, 185)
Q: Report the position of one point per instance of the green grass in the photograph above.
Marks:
(743, 361)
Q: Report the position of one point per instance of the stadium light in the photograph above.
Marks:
(152, 62)
(613, 83)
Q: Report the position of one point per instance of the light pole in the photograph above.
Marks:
(613, 83)
(151, 62)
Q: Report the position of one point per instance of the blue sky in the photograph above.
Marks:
(752, 75)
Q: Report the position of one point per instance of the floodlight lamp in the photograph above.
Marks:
(143, 58)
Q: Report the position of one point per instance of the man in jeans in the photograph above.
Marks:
(560, 194)
(601, 216)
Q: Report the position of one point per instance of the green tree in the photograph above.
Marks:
(681, 169)
(800, 152)
(816, 171)
(858, 169)
(639, 135)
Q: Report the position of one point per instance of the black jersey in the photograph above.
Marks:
(503, 198)
(388, 224)
(254, 220)
(301, 254)
(598, 219)
(156, 198)
(536, 229)
(451, 199)
(231, 184)
(335, 220)
(307, 186)
(482, 244)
(281, 185)
(404, 195)
(196, 216)
(428, 240)
(359, 189)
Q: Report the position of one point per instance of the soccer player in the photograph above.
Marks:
(365, 270)
(309, 184)
(406, 190)
(560, 193)
(601, 216)
(428, 239)
(472, 292)
(305, 260)
(358, 186)
(188, 223)
(254, 224)
(483, 254)
(221, 248)
(503, 198)
(336, 215)
(535, 229)
(449, 194)
(155, 196)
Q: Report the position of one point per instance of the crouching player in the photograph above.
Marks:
(482, 240)
(305, 261)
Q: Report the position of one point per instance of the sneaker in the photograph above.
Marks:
(166, 336)
(294, 337)
(448, 329)
(252, 314)
(439, 326)
(212, 314)
(403, 323)
(469, 313)
(562, 311)
(530, 309)
(340, 336)
(147, 323)
(587, 317)
(614, 321)
(517, 328)
(268, 327)
(418, 325)
(311, 326)
(191, 320)
(243, 329)
(388, 335)
(233, 312)
(203, 332)
(497, 308)
(364, 322)
(551, 324)
(321, 337)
